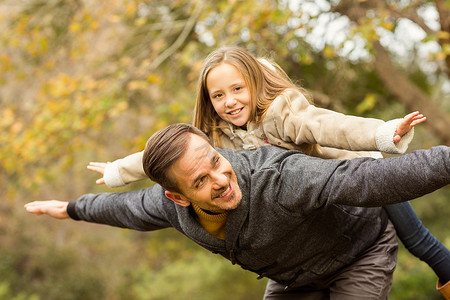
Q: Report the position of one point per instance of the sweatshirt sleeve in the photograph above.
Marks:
(292, 119)
(125, 170)
(146, 209)
(309, 183)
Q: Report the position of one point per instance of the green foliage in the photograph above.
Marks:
(413, 280)
(5, 293)
(199, 276)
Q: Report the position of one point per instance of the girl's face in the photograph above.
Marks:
(229, 94)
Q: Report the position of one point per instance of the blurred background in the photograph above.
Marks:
(85, 81)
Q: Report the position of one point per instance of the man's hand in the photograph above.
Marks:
(409, 121)
(53, 208)
(99, 168)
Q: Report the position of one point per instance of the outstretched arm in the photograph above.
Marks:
(291, 119)
(53, 208)
(145, 209)
(391, 180)
(120, 172)
(408, 122)
(362, 182)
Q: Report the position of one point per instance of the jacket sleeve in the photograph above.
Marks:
(125, 170)
(145, 209)
(309, 183)
(292, 119)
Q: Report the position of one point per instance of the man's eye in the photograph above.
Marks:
(201, 181)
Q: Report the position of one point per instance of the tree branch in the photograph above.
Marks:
(444, 20)
(181, 38)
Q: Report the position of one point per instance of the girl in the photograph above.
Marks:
(245, 103)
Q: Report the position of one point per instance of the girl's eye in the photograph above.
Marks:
(237, 88)
(216, 96)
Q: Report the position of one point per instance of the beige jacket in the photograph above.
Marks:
(291, 122)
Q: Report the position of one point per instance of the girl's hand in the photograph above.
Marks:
(53, 208)
(99, 168)
(409, 121)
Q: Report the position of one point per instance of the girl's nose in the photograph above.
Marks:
(230, 101)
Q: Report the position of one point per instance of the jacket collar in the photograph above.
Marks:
(237, 217)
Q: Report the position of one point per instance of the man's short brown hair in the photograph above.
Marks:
(163, 149)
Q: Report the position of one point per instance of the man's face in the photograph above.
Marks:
(205, 178)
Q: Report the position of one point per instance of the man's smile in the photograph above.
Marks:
(226, 193)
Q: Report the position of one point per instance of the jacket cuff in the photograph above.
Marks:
(72, 212)
(111, 175)
(385, 138)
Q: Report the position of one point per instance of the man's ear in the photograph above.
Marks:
(177, 198)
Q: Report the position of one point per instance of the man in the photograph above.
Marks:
(313, 226)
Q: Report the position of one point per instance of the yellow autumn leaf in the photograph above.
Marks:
(443, 35)
(75, 27)
(154, 78)
(130, 9)
(328, 52)
(388, 25)
(446, 49)
(367, 104)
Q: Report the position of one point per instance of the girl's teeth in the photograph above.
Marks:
(235, 112)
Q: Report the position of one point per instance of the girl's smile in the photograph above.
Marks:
(236, 111)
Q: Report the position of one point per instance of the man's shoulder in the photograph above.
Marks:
(264, 156)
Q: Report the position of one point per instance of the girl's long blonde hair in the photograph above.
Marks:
(265, 80)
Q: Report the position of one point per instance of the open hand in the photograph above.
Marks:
(99, 168)
(53, 208)
(409, 121)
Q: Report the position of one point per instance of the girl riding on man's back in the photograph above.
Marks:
(244, 103)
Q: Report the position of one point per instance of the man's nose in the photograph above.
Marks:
(220, 180)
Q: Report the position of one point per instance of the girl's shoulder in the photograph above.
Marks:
(289, 100)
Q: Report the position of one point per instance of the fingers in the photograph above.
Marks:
(97, 167)
(53, 208)
(98, 164)
(397, 138)
(36, 207)
(418, 120)
(411, 116)
(33, 210)
(414, 118)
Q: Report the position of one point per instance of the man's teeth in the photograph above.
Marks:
(224, 193)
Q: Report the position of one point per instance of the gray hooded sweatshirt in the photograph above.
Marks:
(301, 218)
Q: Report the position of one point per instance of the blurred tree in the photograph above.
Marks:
(91, 80)
(381, 24)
